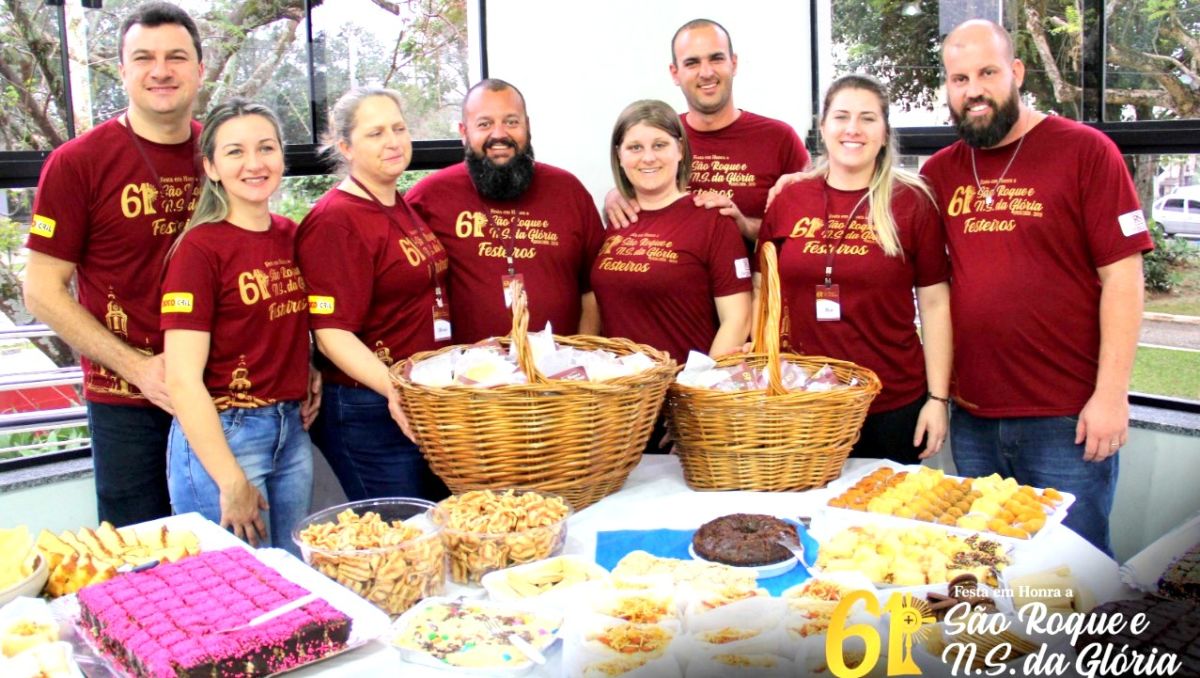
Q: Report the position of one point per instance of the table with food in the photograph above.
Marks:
(757, 549)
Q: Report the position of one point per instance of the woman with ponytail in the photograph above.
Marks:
(856, 235)
(235, 317)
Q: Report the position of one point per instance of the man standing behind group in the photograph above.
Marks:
(1045, 237)
(109, 204)
(736, 155)
(502, 216)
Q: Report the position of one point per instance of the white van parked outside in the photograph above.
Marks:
(1179, 211)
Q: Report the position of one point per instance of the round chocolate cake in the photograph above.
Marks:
(744, 540)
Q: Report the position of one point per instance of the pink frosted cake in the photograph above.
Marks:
(167, 621)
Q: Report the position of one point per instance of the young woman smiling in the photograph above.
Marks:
(856, 235)
(235, 318)
(678, 279)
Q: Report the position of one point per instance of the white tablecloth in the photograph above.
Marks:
(655, 496)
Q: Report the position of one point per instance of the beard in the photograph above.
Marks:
(1004, 116)
(501, 182)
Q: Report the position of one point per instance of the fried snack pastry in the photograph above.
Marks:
(485, 530)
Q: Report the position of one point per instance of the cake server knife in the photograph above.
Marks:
(516, 641)
(276, 612)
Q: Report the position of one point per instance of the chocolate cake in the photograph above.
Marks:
(175, 619)
(1181, 581)
(744, 540)
(1174, 627)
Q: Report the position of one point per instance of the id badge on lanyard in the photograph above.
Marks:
(506, 282)
(441, 312)
(829, 303)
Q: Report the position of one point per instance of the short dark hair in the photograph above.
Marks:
(492, 85)
(699, 23)
(152, 14)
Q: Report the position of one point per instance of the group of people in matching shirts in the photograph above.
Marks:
(373, 276)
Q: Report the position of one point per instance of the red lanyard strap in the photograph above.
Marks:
(831, 250)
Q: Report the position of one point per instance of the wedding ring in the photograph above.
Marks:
(1114, 444)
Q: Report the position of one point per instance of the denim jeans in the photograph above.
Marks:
(129, 455)
(274, 452)
(1039, 451)
(368, 453)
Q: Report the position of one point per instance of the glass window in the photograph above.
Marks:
(38, 372)
(900, 42)
(1151, 62)
(32, 88)
(418, 48)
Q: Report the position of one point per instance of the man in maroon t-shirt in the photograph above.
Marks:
(108, 206)
(502, 216)
(1046, 239)
(737, 156)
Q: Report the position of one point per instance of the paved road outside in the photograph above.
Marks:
(1181, 335)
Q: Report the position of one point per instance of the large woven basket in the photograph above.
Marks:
(771, 440)
(577, 439)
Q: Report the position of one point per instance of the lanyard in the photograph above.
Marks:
(831, 249)
(509, 246)
(419, 242)
(137, 143)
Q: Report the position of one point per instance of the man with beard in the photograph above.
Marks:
(1046, 239)
(736, 155)
(503, 216)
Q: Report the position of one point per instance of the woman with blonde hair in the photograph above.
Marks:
(377, 297)
(235, 319)
(856, 235)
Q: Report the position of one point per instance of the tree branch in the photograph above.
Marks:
(1063, 90)
(30, 103)
(266, 69)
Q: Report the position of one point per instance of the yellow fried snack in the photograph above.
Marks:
(484, 530)
(393, 565)
(86, 556)
(16, 556)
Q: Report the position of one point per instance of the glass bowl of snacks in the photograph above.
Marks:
(388, 551)
(487, 530)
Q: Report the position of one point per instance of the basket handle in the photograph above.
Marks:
(767, 324)
(520, 333)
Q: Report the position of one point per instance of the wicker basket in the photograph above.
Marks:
(773, 440)
(577, 439)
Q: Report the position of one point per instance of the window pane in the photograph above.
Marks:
(297, 194)
(251, 50)
(38, 372)
(1152, 58)
(418, 48)
(32, 88)
(899, 43)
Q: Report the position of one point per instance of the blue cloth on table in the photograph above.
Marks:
(611, 547)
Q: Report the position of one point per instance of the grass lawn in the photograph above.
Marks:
(1165, 372)
(1184, 299)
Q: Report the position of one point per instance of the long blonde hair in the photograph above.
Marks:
(213, 204)
(887, 174)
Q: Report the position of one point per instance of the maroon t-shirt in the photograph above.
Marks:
(1025, 297)
(876, 329)
(743, 160)
(655, 281)
(100, 206)
(553, 231)
(371, 275)
(245, 289)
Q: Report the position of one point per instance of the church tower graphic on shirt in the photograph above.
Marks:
(101, 379)
(239, 390)
(383, 353)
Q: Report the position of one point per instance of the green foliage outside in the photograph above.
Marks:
(33, 443)
(1167, 372)
(1164, 266)
(297, 195)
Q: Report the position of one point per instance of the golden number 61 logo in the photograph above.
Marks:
(906, 620)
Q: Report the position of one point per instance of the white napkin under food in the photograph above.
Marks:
(1143, 571)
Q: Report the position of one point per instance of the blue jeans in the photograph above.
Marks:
(368, 453)
(129, 455)
(1039, 451)
(274, 452)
